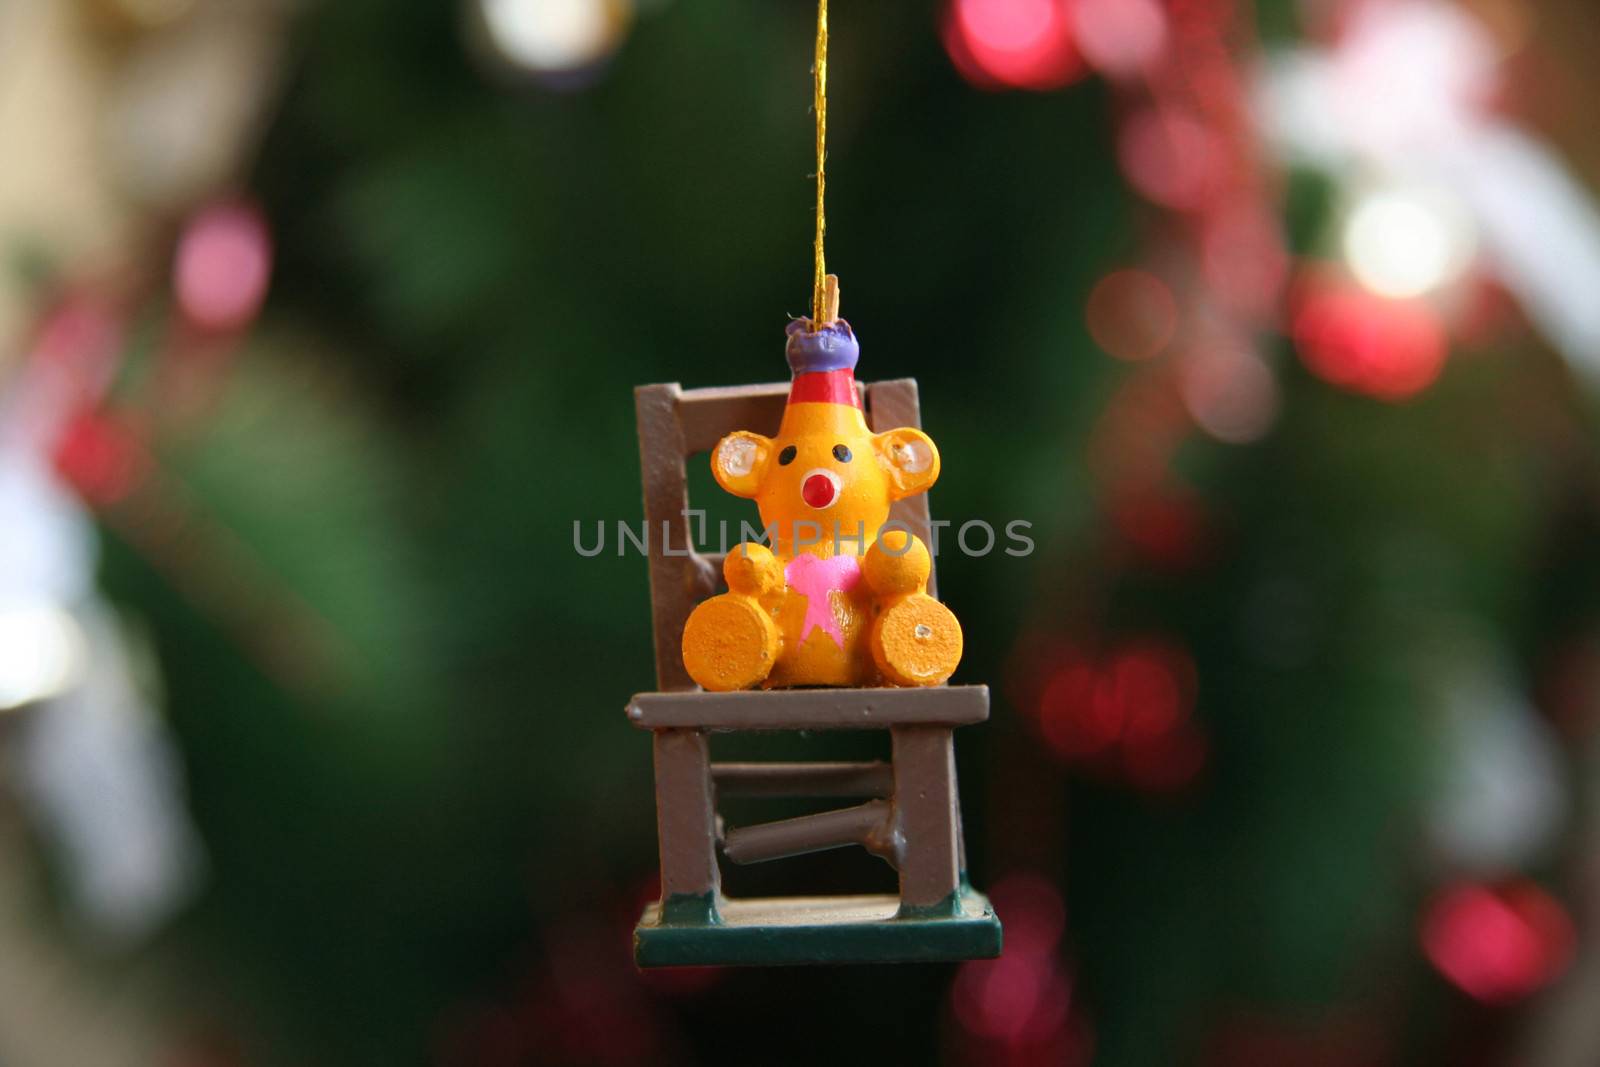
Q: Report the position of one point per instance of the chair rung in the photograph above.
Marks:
(803, 779)
(866, 824)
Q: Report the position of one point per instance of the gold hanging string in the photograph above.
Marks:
(824, 290)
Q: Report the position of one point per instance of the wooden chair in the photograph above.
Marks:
(910, 813)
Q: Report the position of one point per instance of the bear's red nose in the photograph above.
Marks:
(818, 490)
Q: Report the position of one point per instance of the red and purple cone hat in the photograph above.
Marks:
(823, 362)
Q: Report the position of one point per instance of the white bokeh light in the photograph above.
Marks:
(1405, 244)
(552, 35)
(41, 653)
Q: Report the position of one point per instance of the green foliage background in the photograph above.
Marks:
(472, 278)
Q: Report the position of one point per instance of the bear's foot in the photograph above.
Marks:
(916, 641)
(729, 643)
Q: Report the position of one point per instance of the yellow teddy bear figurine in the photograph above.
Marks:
(838, 599)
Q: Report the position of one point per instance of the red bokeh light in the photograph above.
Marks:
(223, 267)
(1132, 708)
(1389, 349)
(1168, 529)
(1148, 688)
(102, 458)
(1074, 722)
(1012, 44)
(73, 360)
(1498, 945)
(1200, 15)
(83, 333)
(1132, 314)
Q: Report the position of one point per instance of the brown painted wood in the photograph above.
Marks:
(677, 582)
(812, 709)
(685, 814)
(803, 779)
(866, 824)
(925, 804)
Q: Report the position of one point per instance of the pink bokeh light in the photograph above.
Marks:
(223, 267)
(1020, 1008)
(1498, 945)
(1170, 157)
(1012, 44)
(1120, 38)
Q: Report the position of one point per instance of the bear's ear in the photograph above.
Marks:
(910, 458)
(739, 462)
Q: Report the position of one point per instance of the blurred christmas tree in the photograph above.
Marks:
(1283, 361)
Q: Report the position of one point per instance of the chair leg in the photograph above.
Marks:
(686, 822)
(925, 802)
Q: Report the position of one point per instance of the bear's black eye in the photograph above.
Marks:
(786, 457)
(841, 453)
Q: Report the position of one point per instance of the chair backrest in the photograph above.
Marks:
(676, 423)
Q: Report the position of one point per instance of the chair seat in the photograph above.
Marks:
(812, 709)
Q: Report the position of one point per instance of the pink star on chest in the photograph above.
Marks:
(815, 578)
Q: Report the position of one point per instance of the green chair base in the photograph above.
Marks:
(790, 930)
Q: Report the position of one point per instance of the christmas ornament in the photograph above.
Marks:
(840, 595)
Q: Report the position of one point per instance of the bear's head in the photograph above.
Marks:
(825, 478)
